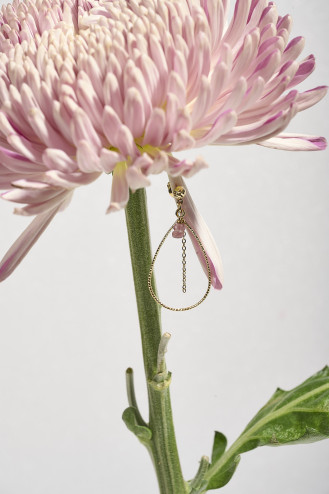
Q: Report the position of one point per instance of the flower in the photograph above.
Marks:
(90, 87)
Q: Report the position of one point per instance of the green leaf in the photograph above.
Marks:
(224, 475)
(131, 418)
(218, 449)
(300, 415)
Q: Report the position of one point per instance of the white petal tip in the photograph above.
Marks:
(114, 207)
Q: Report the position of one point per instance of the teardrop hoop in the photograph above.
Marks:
(149, 280)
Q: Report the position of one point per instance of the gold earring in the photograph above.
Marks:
(179, 231)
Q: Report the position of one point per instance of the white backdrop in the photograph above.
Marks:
(69, 322)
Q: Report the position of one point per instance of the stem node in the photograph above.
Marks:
(198, 483)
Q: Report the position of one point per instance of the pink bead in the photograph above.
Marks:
(178, 230)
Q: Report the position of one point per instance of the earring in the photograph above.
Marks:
(179, 231)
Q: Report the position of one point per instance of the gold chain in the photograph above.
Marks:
(149, 281)
(184, 261)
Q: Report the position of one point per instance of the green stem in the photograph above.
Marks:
(163, 442)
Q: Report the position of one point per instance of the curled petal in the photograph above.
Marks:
(160, 163)
(120, 188)
(137, 171)
(185, 167)
(182, 140)
(195, 220)
(136, 178)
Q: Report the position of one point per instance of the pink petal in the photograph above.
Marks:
(45, 132)
(202, 101)
(195, 220)
(223, 123)
(112, 94)
(160, 61)
(111, 123)
(56, 159)
(133, 77)
(44, 205)
(30, 196)
(218, 80)
(125, 142)
(236, 96)
(259, 130)
(17, 163)
(245, 57)
(268, 66)
(216, 17)
(30, 150)
(6, 180)
(136, 178)
(25, 241)
(252, 95)
(136, 173)
(30, 184)
(87, 158)
(177, 87)
(69, 180)
(89, 100)
(269, 16)
(151, 76)
(238, 22)
(109, 159)
(296, 142)
(171, 115)
(134, 116)
(83, 129)
(185, 167)
(304, 70)
(294, 49)
(155, 128)
(182, 140)
(197, 165)
(160, 163)
(309, 98)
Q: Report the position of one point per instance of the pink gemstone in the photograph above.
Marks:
(178, 230)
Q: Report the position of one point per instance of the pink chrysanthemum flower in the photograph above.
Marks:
(117, 86)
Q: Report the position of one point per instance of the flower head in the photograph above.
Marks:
(90, 87)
